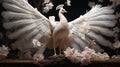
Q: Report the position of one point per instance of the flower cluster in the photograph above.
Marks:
(40, 47)
(38, 57)
(48, 6)
(85, 56)
(4, 50)
(115, 56)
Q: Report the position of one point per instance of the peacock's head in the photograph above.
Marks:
(61, 9)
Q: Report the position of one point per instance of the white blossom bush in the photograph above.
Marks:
(86, 56)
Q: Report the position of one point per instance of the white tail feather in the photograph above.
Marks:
(17, 33)
(12, 15)
(20, 3)
(102, 23)
(80, 42)
(100, 39)
(102, 30)
(101, 17)
(14, 8)
(15, 24)
(32, 34)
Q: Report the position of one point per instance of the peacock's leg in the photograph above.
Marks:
(60, 47)
(60, 51)
(55, 51)
(54, 47)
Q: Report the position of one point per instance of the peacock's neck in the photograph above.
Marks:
(62, 17)
(64, 24)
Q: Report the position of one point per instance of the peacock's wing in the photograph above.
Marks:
(25, 23)
(87, 30)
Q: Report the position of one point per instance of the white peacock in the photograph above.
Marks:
(26, 23)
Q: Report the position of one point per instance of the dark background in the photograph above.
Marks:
(78, 8)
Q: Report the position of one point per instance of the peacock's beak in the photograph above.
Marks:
(65, 11)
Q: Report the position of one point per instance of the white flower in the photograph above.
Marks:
(48, 7)
(102, 57)
(38, 57)
(68, 2)
(106, 57)
(93, 56)
(36, 43)
(77, 53)
(45, 9)
(69, 52)
(4, 50)
(91, 4)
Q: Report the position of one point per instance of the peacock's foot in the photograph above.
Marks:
(55, 54)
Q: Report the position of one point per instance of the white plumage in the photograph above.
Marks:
(26, 24)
